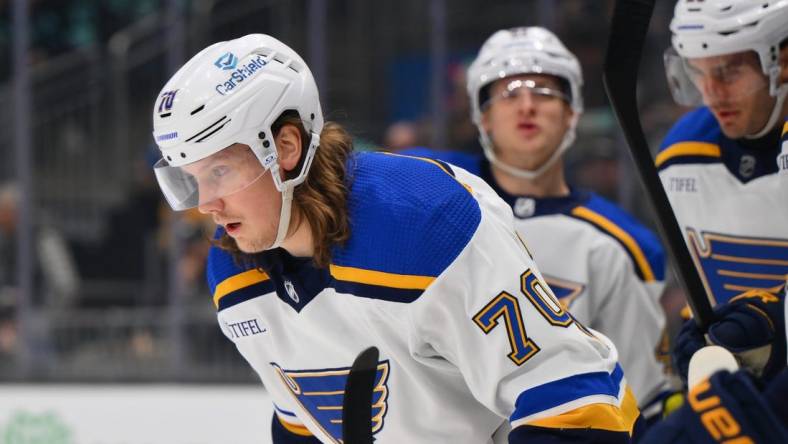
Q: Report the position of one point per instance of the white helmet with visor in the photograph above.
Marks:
(524, 50)
(220, 105)
(712, 28)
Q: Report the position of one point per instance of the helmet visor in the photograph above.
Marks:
(713, 80)
(219, 175)
(517, 89)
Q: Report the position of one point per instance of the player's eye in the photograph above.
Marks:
(219, 171)
(730, 73)
(511, 95)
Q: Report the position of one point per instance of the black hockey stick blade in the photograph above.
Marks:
(357, 403)
(627, 37)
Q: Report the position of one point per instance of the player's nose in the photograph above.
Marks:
(525, 101)
(212, 206)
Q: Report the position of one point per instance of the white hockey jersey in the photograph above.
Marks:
(436, 277)
(600, 262)
(731, 200)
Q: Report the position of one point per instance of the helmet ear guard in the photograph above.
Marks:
(524, 50)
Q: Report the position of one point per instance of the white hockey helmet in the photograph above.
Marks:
(708, 28)
(231, 93)
(523, 50)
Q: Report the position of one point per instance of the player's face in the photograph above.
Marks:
(526, 117)
(735, 90)
(249, 215)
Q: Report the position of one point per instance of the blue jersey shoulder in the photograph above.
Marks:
(695, 126)
(641, 244)
(466, 161)
(231, 283)
(220, 265)
(695, 138)
(408, 216)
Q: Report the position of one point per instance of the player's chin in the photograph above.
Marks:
(733, 131)
(252, 246)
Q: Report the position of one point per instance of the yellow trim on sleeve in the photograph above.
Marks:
(296, 429)
(237, 282)
(621, 235)
(688, 149)
(383, 279)
(785, 128)
(596, 416)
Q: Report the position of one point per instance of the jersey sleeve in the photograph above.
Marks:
(523, 356)
(629, 316)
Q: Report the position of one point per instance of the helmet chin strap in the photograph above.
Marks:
(284, 216)
(489, 153)
(286, 190)
(782, 92)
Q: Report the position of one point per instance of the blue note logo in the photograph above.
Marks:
(321, 393)
(730, 265)
(226, 62)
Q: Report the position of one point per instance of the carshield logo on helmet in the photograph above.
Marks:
(243, 72)
(227, 61)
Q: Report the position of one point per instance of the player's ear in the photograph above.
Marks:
(288, 146)
(485, 121)
(569, 115)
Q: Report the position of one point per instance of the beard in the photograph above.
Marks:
(255, 243)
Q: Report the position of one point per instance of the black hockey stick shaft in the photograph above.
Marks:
(357, 402)
(627, 37)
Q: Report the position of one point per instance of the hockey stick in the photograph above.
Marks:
(627, 37)
(357, 403)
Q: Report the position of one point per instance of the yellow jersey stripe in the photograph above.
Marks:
(426, 159)
(596, 416)
(380, 278)
(688, 149)
(785, 128)
(296, 429)
(621, 235)
(439, 165)
(238, 282)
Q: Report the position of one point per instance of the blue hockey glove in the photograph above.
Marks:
(751, 326)
(724, 408)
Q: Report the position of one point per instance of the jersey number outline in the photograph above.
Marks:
(507, 306)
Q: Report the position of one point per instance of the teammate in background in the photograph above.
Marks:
(325, 252)
(747, 405)
(526, 97)
(720, 164)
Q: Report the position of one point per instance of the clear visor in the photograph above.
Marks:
(517, 89)
(713, 80)
(218, 175)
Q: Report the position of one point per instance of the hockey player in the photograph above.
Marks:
(720, 163)
(525, 89)
(744, 406)
(325, 252)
